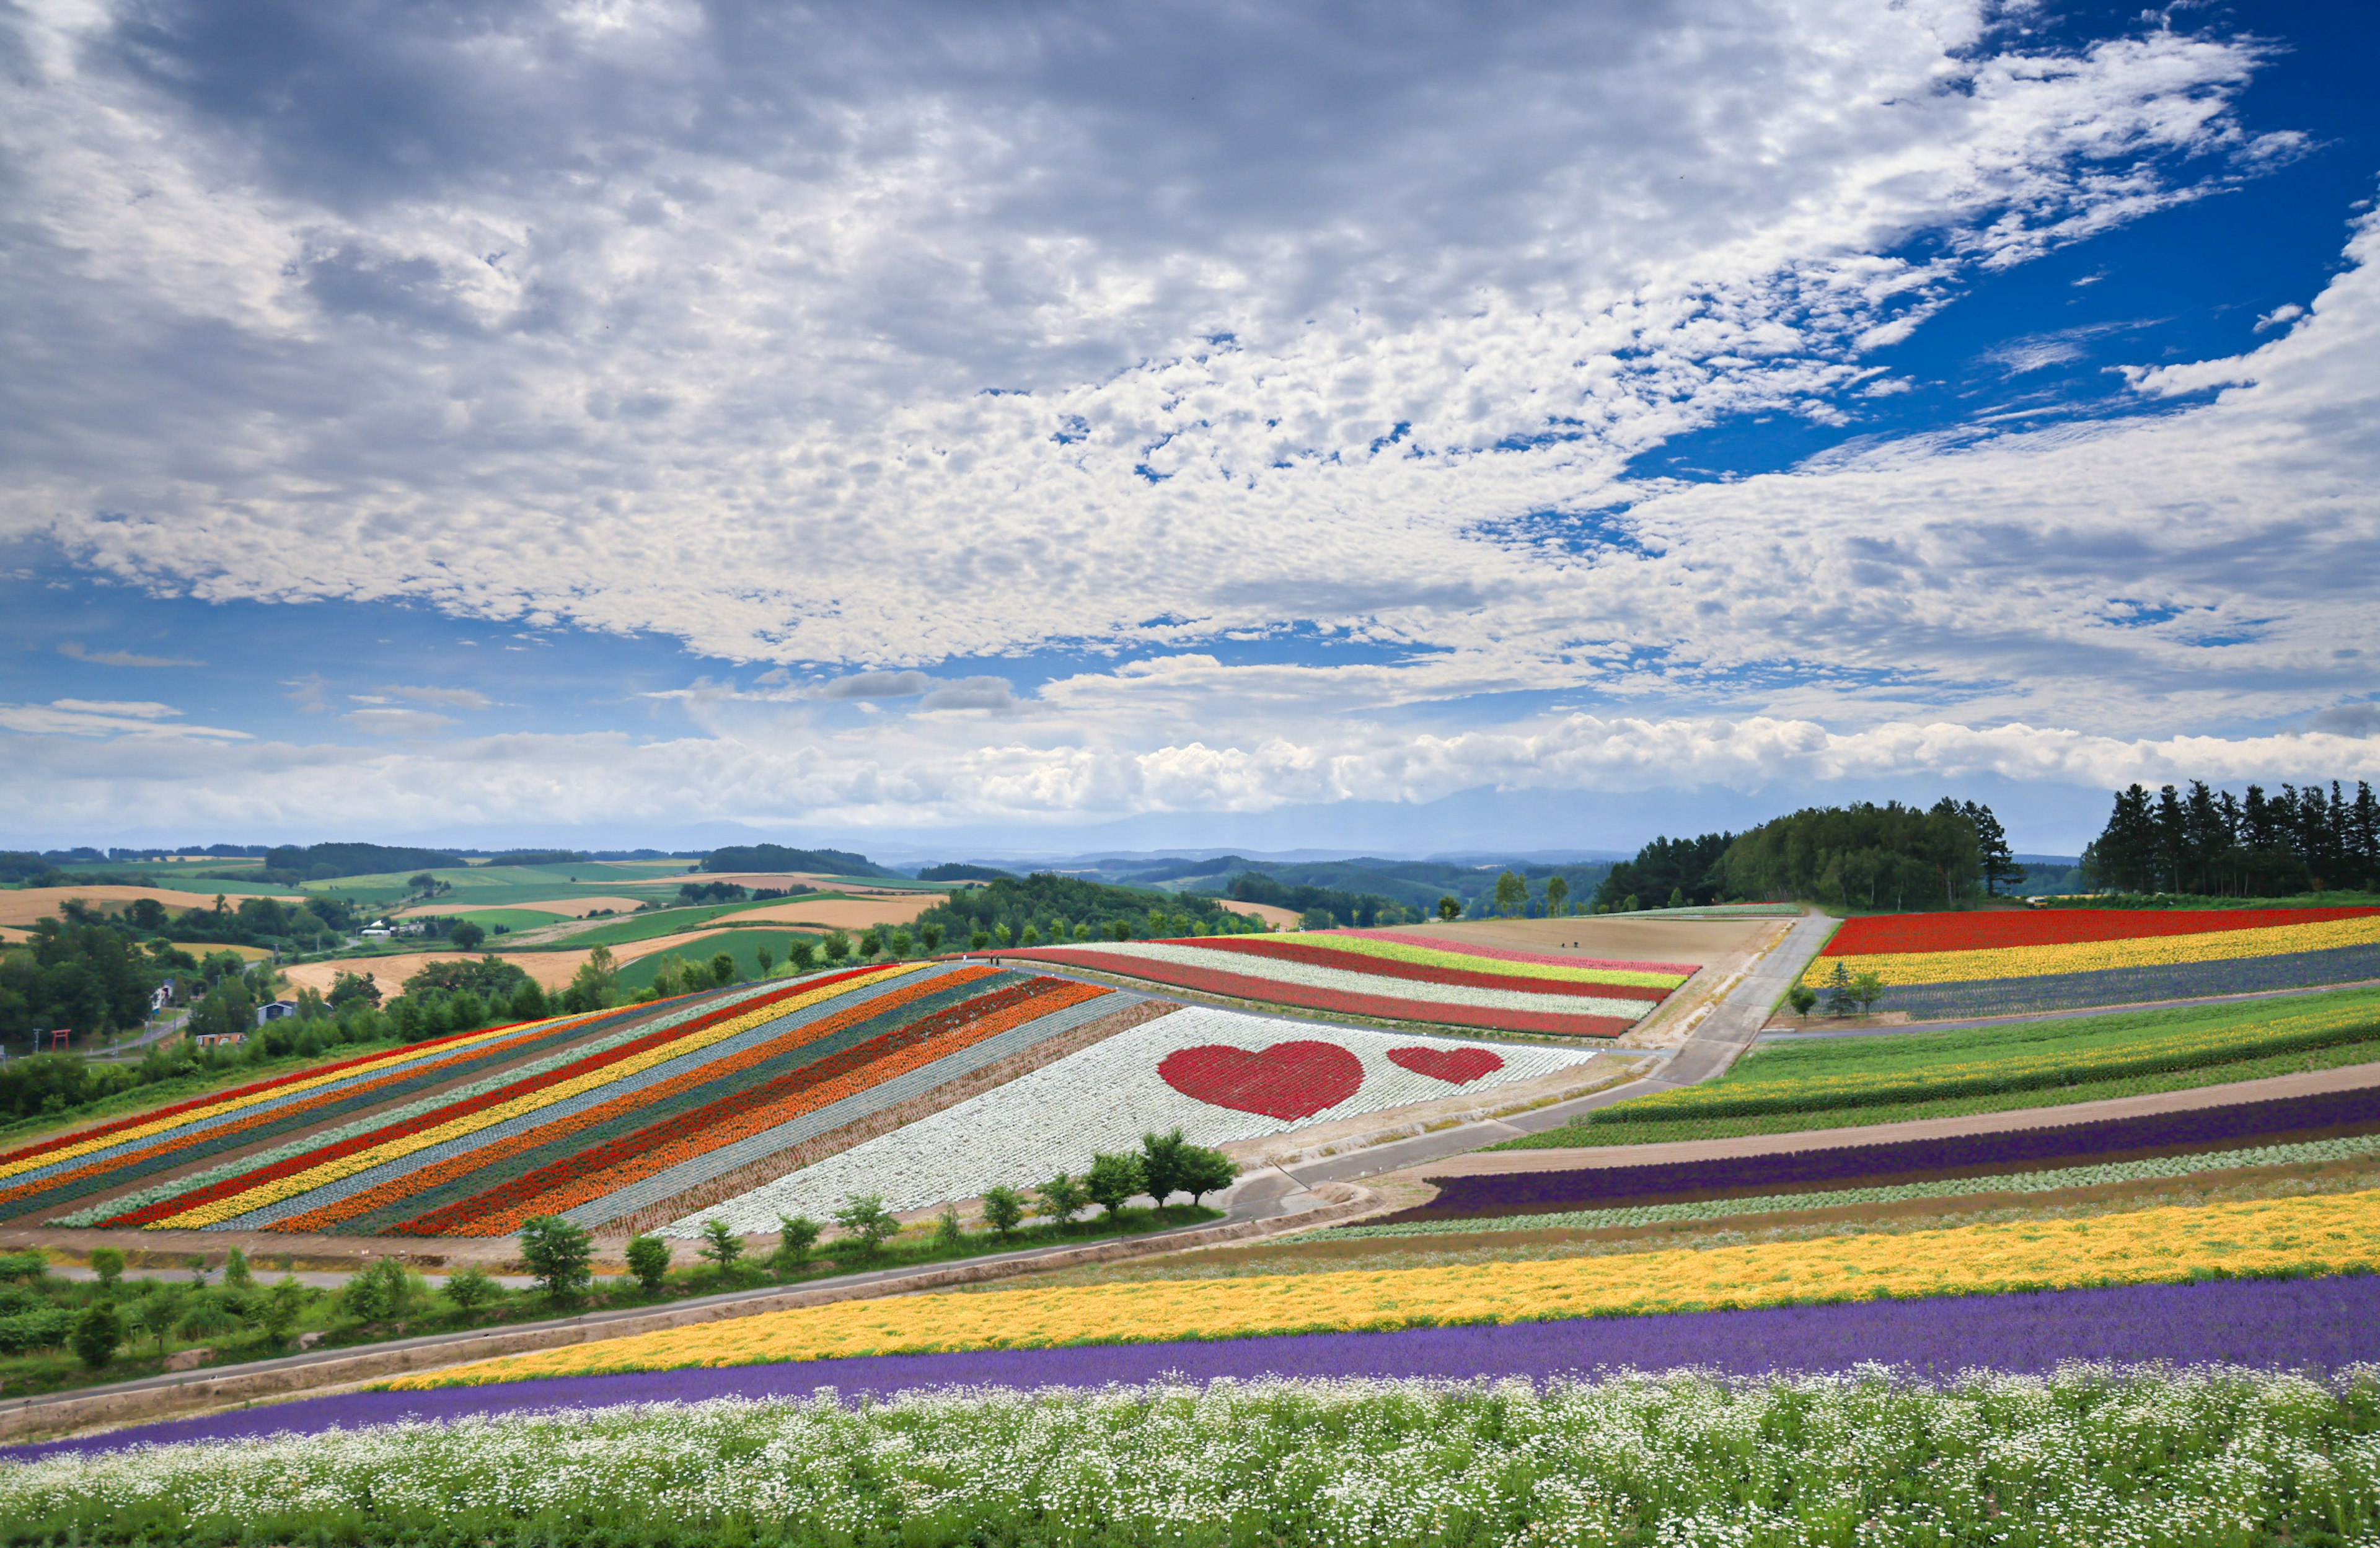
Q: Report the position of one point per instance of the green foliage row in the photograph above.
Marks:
(2213, 843)
(1003, 911)
(1916, 1066)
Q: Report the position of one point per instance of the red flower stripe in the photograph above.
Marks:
(1273, 991)
(1508, 954)
(153, 1114)
(1390, 967)
(166, 1144)
(290, 1165)
(1984, 932)
(397, 1188)
(631, 1160)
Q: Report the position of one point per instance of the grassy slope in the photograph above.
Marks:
(744, 945)
(1780, 1066)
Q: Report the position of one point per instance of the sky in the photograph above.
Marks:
(951, 429)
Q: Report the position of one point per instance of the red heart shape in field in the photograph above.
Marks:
(1454, 1066)
(1288, 1081)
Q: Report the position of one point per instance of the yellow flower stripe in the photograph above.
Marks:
(2329, 1234)
(1427, 956)
(2091, 955)
(199, 1114)
(394, 1150)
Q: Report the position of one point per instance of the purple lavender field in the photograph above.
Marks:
(2239, 1125)
(2287, 1323)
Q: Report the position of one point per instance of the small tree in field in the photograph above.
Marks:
(797, 1234)
(1450, 907)
(96, 1334)
(868, 1223)
(560, 1256)
(837, 946)
(471, 1287)
(721, 1245)
(1061, 1199)
(648, 1260)
(1160, 1164)
(1205, 1171)
(1557, 896)
(1111, 1180)
(107, 1267)
(1801, 997)
(1003, 1210)
(948, 1233)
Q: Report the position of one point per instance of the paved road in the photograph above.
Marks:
(1725, 1031)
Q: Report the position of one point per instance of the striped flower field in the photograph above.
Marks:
(638, 1117)
(2323, 1235)
(1946, 965)
(1387, 976)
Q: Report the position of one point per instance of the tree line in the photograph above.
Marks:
(2210, 842)
(1045, 907)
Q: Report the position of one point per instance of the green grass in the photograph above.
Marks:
(476, 885)
(1779, 1088)
(512, 919)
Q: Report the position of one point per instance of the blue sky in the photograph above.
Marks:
(938, 430)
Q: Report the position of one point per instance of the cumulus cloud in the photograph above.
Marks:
(967, 347)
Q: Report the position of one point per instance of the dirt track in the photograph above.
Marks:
(2350, 1077)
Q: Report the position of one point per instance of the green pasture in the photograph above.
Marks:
(744, 945)
(179, 879)
(1783, 1087)
(513, 918)
(477, 886)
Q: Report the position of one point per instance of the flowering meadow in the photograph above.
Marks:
(67, 1167)
(2321, 1234)
(2097, 1455)
(636, 1116)
(1943, 965)
(1388, 976)
(1217, 1075)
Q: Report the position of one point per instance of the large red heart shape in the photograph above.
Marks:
(1454, 1066)
(1288, 1081)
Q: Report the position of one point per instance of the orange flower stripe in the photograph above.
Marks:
(289, 1187)
(389, 1076)
(761, 1119)
(424, 1178)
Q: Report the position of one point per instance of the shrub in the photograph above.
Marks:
(1003, 1210)
(797, 1234)
(1063, 1198)
(948, 1233)
(1112, 1180)
(560, 1255)
(97, 1333)
(471, 1287)
(721, 1245)
(868, 1223)
(108, 1264)
(648, 1260)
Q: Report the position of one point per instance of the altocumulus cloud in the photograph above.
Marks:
(971, 332)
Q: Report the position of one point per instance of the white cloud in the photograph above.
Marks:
(750, 360)
(103, 719)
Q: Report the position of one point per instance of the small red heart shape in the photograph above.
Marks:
(1454, 1066)
(1288, 1081)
